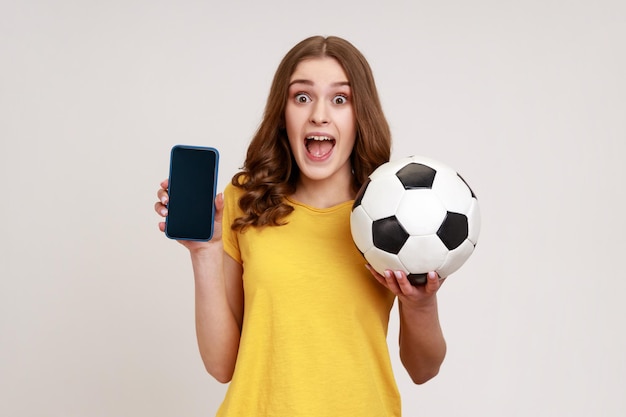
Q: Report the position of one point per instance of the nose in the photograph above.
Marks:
(319, 113)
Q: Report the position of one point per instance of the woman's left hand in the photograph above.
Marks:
(410, 295)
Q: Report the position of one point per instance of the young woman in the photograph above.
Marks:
(286, 309)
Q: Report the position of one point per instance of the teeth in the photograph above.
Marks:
(319, 138)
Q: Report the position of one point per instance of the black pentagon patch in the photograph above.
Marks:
(359, 195)
(453, 230)
(417, 279)
(470, 188)
(389, 235)
(416, 175)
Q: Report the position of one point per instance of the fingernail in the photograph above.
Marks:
(164, 212)
(387, 274)
(398, 274)
(432, 275)
(163, 199)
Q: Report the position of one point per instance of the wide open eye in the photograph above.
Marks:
(302, 98)
(340, 99)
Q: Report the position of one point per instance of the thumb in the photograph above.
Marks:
(219, 207)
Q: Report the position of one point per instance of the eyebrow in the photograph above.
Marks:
(309, 82)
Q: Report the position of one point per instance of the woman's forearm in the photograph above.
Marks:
(218, 311)
(422, 345)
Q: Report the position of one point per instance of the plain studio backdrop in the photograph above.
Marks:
(526, 99)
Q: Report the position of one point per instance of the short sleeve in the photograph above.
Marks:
(230, 238)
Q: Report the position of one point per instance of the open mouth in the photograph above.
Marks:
(319, 146)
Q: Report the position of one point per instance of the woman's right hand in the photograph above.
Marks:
(161, 208)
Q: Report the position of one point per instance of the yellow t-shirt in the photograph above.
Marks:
(314, 332)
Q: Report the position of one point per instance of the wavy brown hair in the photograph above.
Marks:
(270, 172)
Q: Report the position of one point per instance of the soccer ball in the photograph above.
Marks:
(417, 215)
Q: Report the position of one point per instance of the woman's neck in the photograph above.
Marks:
(325, 193)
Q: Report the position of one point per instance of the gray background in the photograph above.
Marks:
(526, 99)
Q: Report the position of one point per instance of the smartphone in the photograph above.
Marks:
(192, 184)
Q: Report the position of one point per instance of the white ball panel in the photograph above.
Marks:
(473, 220)
(420, 212)
(381, 260)
(421, 254)
(382, 197)
(456, 258)
(361, 228)
(454, 193)
(390, 168)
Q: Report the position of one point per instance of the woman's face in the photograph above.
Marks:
(320, 120)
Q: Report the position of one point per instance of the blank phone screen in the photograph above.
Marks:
(192, 182)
